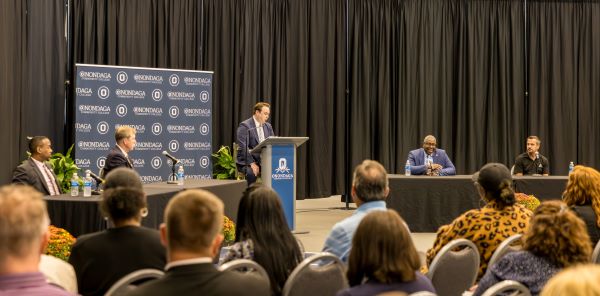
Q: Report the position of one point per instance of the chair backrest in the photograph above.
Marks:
(126, 283)
(596, 253)
(454, 269)
(422, 293)
(510, 244)
(247, 267)
(506, 287)
(319, 274)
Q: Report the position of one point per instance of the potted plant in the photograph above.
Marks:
(64, 167)
(528, 201)
(60, 243)
(224, 165)
(228, 231)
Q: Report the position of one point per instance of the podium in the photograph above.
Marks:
(278, 170)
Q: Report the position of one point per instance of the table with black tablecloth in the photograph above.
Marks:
(80, 215)
(426, 203)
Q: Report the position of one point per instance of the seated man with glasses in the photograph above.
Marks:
(429, 160)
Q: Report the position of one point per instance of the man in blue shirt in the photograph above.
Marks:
(369, 191)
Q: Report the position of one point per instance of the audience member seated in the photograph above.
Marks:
(384, 258)
(59, 272)
(580, 280)
(102, 258)
(192, 234)
(369, 191)
(23, 237)
(583, 196)
(556, 238)
(262, 236)
(487, 227)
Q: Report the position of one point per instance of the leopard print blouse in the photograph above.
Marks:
(486, 227)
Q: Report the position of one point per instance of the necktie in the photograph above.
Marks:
(51, 181)
(261, 134)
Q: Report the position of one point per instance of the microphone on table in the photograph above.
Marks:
(96, 177)
(537, 155)
(171, 157)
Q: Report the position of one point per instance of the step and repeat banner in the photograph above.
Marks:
(170, 110)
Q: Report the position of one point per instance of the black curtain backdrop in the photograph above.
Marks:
(32, 76)
(480, 75)
(564, 80)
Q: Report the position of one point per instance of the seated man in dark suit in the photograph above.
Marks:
(118, 157)
(192, 234)
(250, 133)
(429, 160)
(36, 171)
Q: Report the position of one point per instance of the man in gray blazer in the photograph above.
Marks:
(36, 171)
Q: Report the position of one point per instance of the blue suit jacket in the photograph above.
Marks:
(247, 137)
(417, 162)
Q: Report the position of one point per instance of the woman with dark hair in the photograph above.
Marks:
(556, 239)
(262, 235)
(583, 196)
(383, 258)
(487, 227)
(100, 259)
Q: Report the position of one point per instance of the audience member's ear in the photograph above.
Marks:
(216, 245)
(386, 192)
(44, 242)
(163, 234)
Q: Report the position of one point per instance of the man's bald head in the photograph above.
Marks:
(370, 181)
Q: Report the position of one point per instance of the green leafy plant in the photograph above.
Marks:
(64, 167)
(224, 165)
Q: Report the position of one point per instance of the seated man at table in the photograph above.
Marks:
(118, 157)
(532, 162)
(36, 171)
(429, 160)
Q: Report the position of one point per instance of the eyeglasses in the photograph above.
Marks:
(429, 144)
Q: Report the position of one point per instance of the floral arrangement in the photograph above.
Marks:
(228, 230)
(60, 243)
(528, 201)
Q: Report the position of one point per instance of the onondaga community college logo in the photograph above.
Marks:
(283, 171)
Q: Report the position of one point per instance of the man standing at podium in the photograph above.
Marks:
(250, 133)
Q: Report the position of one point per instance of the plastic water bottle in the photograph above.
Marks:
(407, 168)
(75, 185)
(87, 185)
(571, 166)
(180, 175)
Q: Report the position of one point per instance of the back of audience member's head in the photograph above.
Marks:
(23, 223)
(583, 188)
(580, 280)
(496, 182)
(557, 234)
(193, 222)
(370, 182)
(382, 250)
(123, 198)
(123, 177)
(261, 219)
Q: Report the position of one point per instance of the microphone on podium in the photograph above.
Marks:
(171, 157)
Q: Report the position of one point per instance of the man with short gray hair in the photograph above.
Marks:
(370, 188)
(192, 235)
(23, 237)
